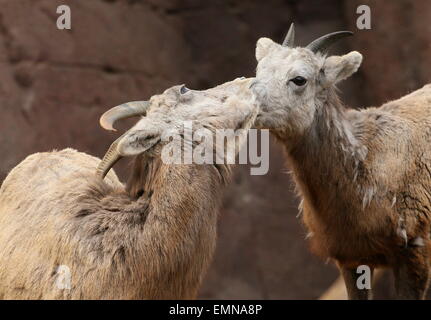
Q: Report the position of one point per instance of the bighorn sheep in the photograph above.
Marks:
(364, 176)
(151, 239)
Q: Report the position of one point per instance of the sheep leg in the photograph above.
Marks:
(412, 275)
(350, 277)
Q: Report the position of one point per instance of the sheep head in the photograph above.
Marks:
(227, 106)
(292, 83)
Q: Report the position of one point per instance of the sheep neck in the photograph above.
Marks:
(326, 158)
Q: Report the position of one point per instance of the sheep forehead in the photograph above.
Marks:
(290, 62)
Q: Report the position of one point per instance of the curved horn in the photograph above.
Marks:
(126, 110)
(289, 41)
(111, 157)
(324, 42)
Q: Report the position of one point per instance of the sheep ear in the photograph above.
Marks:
(338, 68)
(263, 47)
(137, 141)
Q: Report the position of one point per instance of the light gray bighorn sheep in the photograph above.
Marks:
(151, 239)
(364, 176)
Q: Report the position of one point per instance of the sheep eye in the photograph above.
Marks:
(299, 81)
(184, 90)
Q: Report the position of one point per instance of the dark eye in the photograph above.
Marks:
(184, 90)
(299, 81)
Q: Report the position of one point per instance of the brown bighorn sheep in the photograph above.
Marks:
(151, 239)
(364, 176)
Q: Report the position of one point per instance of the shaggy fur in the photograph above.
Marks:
(364, 176)
(152, 239)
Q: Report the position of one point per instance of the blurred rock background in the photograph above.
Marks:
(55, 84)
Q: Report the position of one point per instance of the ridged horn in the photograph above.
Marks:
(124, 111)
(289, 40)
(110, 159)
(324, 42)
